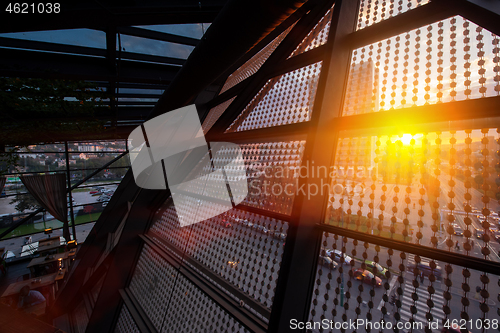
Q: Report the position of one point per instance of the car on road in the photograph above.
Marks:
(336, 255)
(226, 224)
(478, 233)
(458, 231)
(327, 262)
(246, 223)
(278, 235)
(260, 228)
(366, 277)
(372, 265)
(481, 217)
(425, 268)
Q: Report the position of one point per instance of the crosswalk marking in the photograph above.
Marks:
(391, 286)
(411, 258)
(420, 304)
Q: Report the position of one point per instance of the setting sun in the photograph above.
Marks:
(406, 139)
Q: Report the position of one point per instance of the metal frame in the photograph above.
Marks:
(118, 69)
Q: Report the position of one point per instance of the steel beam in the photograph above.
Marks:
(298, 268)
(156, 35)
(461, 260)
(74, 67)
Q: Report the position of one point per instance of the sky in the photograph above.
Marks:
(97, 39)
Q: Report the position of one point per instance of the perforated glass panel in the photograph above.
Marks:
(243, 248)
(96, 289)
(214, 114)
(273, 171)
(152, 284)
(253, 64)
(437, 189)
(80, 318)
(285, 99)
(374, 11)
(446, 61)
(381, 289)
(193, 311)
(126, 323)
(317, 37)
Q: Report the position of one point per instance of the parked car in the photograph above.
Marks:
(381, 271)
(425, 268)
(93, 192)
(336, 255)
(366, 276)
(327, 262)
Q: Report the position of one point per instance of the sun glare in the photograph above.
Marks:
(406, 139)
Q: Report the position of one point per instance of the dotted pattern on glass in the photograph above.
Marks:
(374, 11)
(96, 289)
(252, 65)
(285, 99)
(194, 311)
(80, 318)
(214, 114)
(317, 36)
(429, 68)
(126, 323)
(272, 174)
(243, 248)
(383, 287)
(272, 171)
(152, 284)
(423, 188)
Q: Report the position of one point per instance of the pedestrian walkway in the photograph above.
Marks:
(421, 304)
(410, 257)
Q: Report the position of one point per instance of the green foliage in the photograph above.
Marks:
(32, 108)
(24, 203)
(8, 160)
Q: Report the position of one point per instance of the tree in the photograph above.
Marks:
(25, 202)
